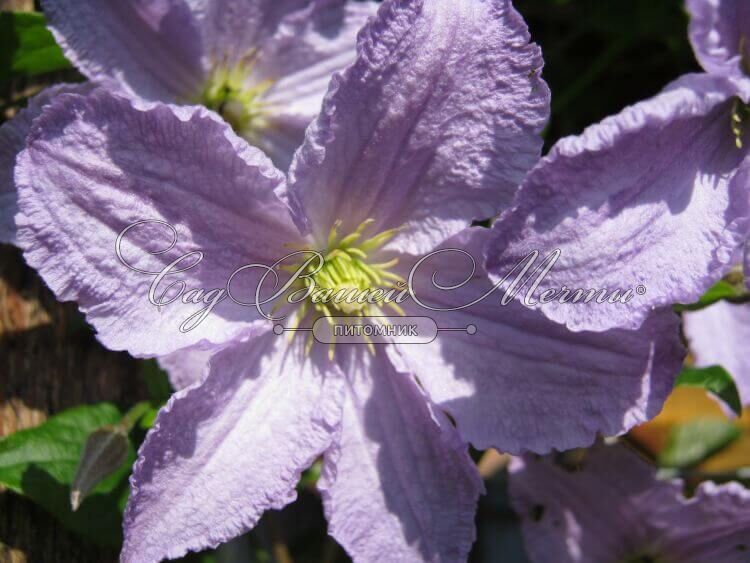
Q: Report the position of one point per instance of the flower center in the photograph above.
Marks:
(350, 278)
(230, 94)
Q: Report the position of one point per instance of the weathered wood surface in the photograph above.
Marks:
(17, 5)
(49, 361)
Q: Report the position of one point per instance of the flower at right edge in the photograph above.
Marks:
(656, 197)
(611, 508)
(719, 334)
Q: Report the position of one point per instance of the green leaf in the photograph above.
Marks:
(691, 443)
(722, 290)
(40, 464)
(159, 391)
(716, 380)
(309, 477)
(53, 446)
(148, 419)
(27, 46)
(157, 382)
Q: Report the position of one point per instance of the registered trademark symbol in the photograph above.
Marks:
(641, 290)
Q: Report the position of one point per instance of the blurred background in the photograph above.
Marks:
(601, 55)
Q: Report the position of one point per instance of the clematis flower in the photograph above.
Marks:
(431, 128)
(657, 196)
(263, 65)
(719, 33)
(718, 335)
(614, 509)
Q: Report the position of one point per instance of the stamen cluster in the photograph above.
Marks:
(230, 93)
(351, 269)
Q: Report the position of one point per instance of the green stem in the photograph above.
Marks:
(132, 417)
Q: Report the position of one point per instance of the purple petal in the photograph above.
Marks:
(309, 46)
(223, 452)
(650, 197)
(232, 29)
(95, 165)
(149, 48)
(719, 335)
(12, 141)
(399, 484)
(713, 525)
(188, 366)
(614, 509)
(522, 382)
(434, 125)
(589, 515)
(720, 34)
(747, 265)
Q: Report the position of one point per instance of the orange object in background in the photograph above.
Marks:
(686, 404)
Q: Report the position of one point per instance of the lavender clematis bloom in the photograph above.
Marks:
(614, 510)
(719, 335)
(433, 126)
(720, 35)
(657, 196)
(719, 32)
(263, 65)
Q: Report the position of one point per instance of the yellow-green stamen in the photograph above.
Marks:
(353, 266)
(740, 115)
(231, 93)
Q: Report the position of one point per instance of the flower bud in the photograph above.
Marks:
(105, 451)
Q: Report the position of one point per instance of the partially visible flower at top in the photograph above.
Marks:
(720, 335)
(432, 127)
(263, 65)
(613, 509)
(720, 34)
(657, 195)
